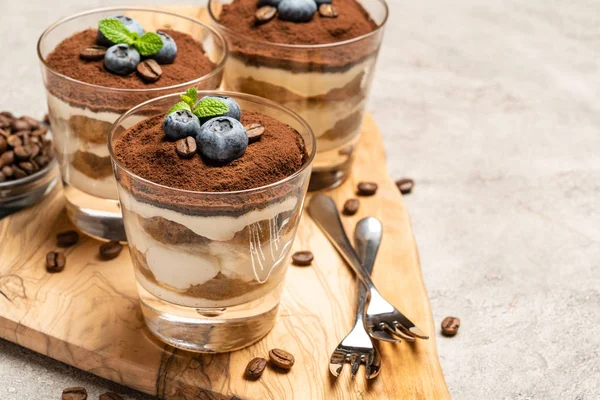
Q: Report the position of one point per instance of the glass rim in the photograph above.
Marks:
(219, 67)
(201, 93)
(301, 46)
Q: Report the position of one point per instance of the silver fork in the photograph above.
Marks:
(358, 347)
(382, 319)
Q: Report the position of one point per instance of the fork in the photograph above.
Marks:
(382, 319)
(357, 347)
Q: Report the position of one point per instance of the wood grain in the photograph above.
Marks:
(88, 315)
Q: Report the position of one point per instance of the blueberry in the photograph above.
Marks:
(131, 24)
(167, 54)
(181, 124)
(297, 10)
(121, 59)
(273, 3)
(234, 108)
(222, 139)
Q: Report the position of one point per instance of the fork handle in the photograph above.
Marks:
(324, 212)
(367, 238)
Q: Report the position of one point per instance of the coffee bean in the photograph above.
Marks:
(405, 185)
(7, 158)
(281, 359)
(255, 368)
(19, 173)
(328, 11)
(67, 238)
(7, 114)
(92, 53)
(351, 206)
(111, 396)
(149, 70)
(5, 133)
(41, 161)
(302, 258)
(2, 177)
(31, 122)
(40, 132)
(34, 139)
(3, 144)
(55, 261)
(265, 14)
(110, 250)
(24, 135)
(450, 326)
(28, 167)
(7, 171)
(74, 393)
(23, 152)
(14, 141)
(35, 150)
(367, 188)
(4, 122)
(186, 147)
(46, 119)
(254, 131)
(19, 125)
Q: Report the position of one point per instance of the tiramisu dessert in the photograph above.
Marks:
(314, 56)
(211, 195)
(95, 75)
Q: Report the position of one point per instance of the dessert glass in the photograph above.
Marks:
(81, 115)
(210, 266)
(330, 96)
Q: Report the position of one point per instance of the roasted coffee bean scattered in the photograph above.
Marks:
(302, 258)
(149, 70)
(327, 10)
(265, 14)
(46, 119)
(23, 147)
(405, 185)
(254, 131)
(351, 207)
(74, 393)
(450, 326)
(93, 53)
(255, 368)
(186, 147)
(67, 238)
(110, 396)
(281, 359)
(110, 250)
(367, 188)
(55, 261)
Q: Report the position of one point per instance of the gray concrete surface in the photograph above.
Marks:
(494, 109)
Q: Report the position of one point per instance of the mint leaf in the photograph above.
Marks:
(210, 107)
(115, 31)
(150, 43)
(182, 105)
(190, 97)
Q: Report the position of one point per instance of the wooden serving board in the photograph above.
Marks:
(88, 315)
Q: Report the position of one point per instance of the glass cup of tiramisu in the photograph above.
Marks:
(211, 186)
(98, 64)
(316, 57)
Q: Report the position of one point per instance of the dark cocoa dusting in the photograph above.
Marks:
(191, 63)
(353, 21)
(146, 152)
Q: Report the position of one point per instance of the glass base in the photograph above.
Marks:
(210, 329)
(331, 168)
(95, 216)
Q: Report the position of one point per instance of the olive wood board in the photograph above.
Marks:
(88, 315)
